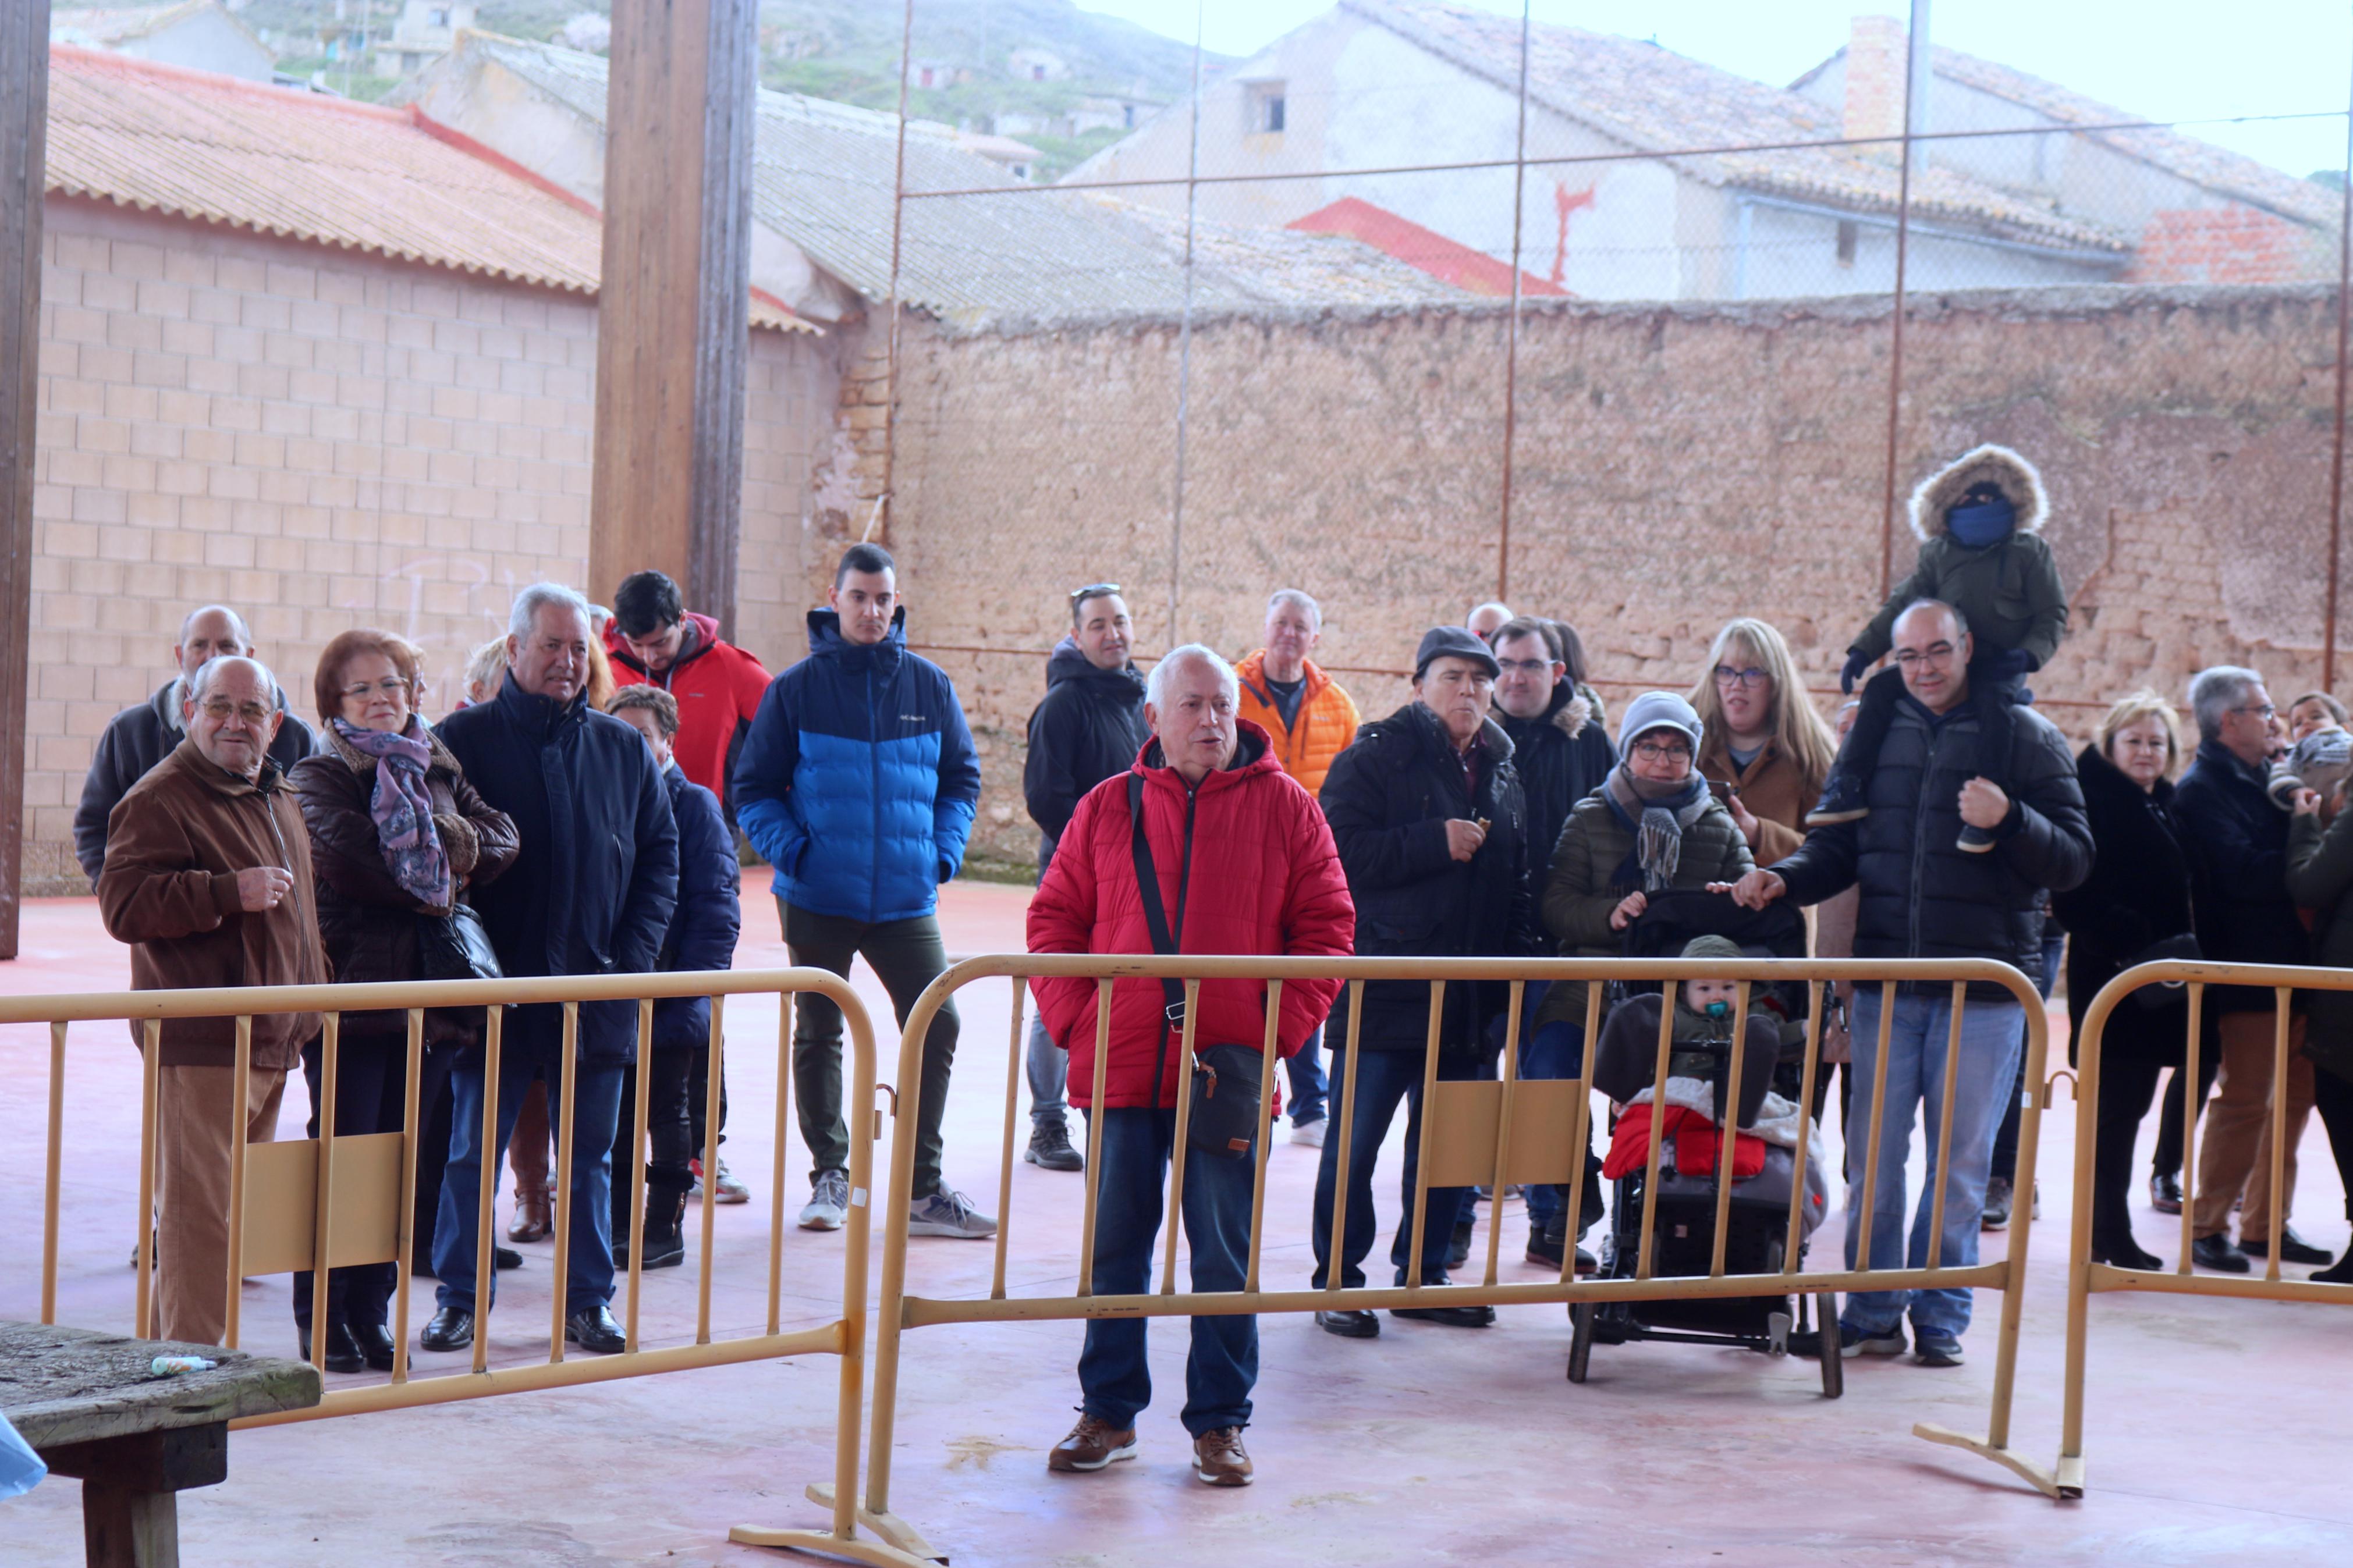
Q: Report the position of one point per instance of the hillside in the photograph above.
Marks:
(1096, 68)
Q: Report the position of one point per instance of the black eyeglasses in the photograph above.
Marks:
(1092, 590)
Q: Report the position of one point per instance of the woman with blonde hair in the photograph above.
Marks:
(1765, 752)
(2134, 907)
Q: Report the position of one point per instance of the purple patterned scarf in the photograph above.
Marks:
(402, 809)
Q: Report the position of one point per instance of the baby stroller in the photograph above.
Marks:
(1684, 1234)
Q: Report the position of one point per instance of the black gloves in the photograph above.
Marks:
(1857, 661)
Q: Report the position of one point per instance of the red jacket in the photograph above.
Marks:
(1265, 880)
(718, 687)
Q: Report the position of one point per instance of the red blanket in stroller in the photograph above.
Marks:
(1695, 1144)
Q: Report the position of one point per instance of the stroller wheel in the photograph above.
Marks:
(1580, 1340)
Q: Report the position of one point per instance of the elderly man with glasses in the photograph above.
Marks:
(143, 735)
(2238, 843)
(1310, 719)
(207, 876)
(1925, 897)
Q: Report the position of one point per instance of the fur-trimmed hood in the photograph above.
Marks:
(1570, 712)
(2013, 475)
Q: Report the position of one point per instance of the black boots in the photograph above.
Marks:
(665, 1227)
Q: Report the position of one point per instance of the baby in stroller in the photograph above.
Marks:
(1772, 1141)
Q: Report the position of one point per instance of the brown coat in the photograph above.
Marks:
(173, 847)
(1773, 790)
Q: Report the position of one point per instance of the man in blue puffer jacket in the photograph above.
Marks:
(858, 783)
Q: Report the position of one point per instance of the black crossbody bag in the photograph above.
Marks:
(1224, 1115)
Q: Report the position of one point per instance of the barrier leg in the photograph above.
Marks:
(1996, 1445)
(898, 1546)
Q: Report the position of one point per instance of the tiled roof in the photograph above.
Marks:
(310, 168)
(2200, 163)
(121, 24)
(824, 174)
(1655, 101)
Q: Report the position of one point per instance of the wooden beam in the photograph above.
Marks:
(672, 312)
(24, 157)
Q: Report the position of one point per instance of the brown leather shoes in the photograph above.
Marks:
(534, 1216)
(1220, 1459)
(1093, 1445)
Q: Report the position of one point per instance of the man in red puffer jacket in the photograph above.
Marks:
(1245, 865)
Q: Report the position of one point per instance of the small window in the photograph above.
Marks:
(1266, 108)
(1849, 233)
(1128, 112)
(440, 16)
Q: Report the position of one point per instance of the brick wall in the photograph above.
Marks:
(322, 440)
(1675, 466)
(2227, 245)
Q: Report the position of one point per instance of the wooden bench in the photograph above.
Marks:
(89, 1404)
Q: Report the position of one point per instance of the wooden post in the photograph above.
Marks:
(672, 311)
(24, 158)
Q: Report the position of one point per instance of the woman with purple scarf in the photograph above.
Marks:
(396, 834)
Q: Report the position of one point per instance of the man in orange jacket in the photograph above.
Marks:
(1310, 720)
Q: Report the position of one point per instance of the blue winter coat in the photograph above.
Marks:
(857, 781)
(592, 890)
(710, 914)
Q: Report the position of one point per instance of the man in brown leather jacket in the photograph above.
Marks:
(207, 876)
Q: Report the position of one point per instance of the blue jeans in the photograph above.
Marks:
(1222, 1368)
(1992, 1036)
(597, 1113)
(1047, 1068)
(1308, 1085)
(1387, 1077)
(1557, 1051)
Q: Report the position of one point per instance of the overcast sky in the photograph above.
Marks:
(2162, 59)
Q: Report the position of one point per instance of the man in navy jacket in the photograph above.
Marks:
(858, 783)
(591, 893)
(702, 937)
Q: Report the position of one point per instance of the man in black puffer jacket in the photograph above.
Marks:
(2237, 841)
(1090, 727)
(1426, 809)
(1924, 898)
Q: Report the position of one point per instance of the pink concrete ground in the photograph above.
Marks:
(2217, 1433)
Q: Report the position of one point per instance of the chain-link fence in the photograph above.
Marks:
(1425, 304)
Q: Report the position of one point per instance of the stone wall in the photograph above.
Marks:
(1675, 466)
(323, 439)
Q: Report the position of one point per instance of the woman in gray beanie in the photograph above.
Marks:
(1652, 827)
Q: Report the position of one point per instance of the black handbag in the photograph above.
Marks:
(457, 947)
(2181, 949)
(1226, 1079)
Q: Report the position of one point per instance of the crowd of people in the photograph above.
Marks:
(578, 817)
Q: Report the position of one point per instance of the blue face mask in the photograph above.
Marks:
(1719, 1009)
(1989, 522)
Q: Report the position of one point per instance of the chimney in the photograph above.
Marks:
(1874, 80)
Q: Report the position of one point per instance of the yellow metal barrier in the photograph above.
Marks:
(347, 1200)
(2084, 1277)
(1507, 1131)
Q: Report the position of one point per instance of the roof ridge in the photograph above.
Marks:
(2066, 104)
(106, 62)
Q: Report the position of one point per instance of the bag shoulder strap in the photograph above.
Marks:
(1155, 916)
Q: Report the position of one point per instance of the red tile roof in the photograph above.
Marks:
(307, 166)
(1426, 250)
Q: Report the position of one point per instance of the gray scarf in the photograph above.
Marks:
(1657, 815)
